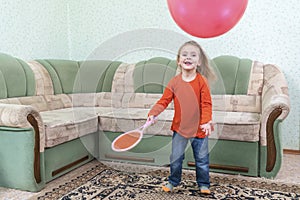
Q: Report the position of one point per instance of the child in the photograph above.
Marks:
(193, 114)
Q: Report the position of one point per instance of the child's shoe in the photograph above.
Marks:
(168, 187)
(204, 190)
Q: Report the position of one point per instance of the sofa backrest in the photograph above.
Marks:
(237, 88)
(233, 74)
(153, 75)
(70, 77)
(239, 85)
(97, 76)
(16, 78)
(62, 73)
(66, 83)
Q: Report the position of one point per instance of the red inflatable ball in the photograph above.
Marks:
(207, 18)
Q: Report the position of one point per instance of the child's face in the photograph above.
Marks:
(189, 58)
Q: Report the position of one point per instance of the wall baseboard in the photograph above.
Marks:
(291, 151)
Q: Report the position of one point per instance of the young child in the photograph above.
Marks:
(193, 114)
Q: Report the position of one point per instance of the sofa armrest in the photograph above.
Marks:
(275, 98)
(275, 108)
(23, 116)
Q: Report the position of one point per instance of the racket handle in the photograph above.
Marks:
(148, 123)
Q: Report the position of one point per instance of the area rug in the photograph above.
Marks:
(103, 182)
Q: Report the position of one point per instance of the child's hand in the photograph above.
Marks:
(151, 119)
(207, 128)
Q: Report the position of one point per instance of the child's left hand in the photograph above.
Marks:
(207, 128)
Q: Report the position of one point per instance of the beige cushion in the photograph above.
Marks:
(58, 101)
(141, 100)
(43, 80)
(126, 119)
(238, 126)
(37, 102)
(102, 99)
(66, 124)
(237, 103)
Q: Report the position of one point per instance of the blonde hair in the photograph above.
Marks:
(204, 69)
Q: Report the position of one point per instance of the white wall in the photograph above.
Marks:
(268, 32)
(34, 28)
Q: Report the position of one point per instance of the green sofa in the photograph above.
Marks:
(250, 100)
(56, 115)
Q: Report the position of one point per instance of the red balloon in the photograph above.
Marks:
(206, 18)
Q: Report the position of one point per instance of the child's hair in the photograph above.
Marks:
(204, 68)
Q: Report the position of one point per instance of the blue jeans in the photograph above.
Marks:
(201, 156)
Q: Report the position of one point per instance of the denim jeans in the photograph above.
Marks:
(201, 156)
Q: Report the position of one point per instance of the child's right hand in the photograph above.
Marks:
(151, 119)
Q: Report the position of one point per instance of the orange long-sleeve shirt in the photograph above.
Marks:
(192, 105)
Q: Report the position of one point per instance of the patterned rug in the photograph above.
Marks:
(103, 182)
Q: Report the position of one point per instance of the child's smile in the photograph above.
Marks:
(187, 62)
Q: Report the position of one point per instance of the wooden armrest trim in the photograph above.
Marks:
(37, 167)
(271, 147)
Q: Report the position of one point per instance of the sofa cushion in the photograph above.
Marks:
(232, 103)
(102, 99)
(63, 74)
(37, 102)
(141, 100)
(123, 79)
(44, 84)
(234, 72)
(153, 75)
(240, 126)
(66, 124)
(126, 119)
(16, 78)
(96, 75)
(237, 103)
(240, 94)
(237, 76)
(58, 101)
(80, 77)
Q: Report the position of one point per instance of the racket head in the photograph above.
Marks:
(127, 141)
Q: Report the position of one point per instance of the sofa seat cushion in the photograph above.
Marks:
(126, 119)
(67, 124)
(240, 126)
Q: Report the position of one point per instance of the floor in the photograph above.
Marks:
(289, 173)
